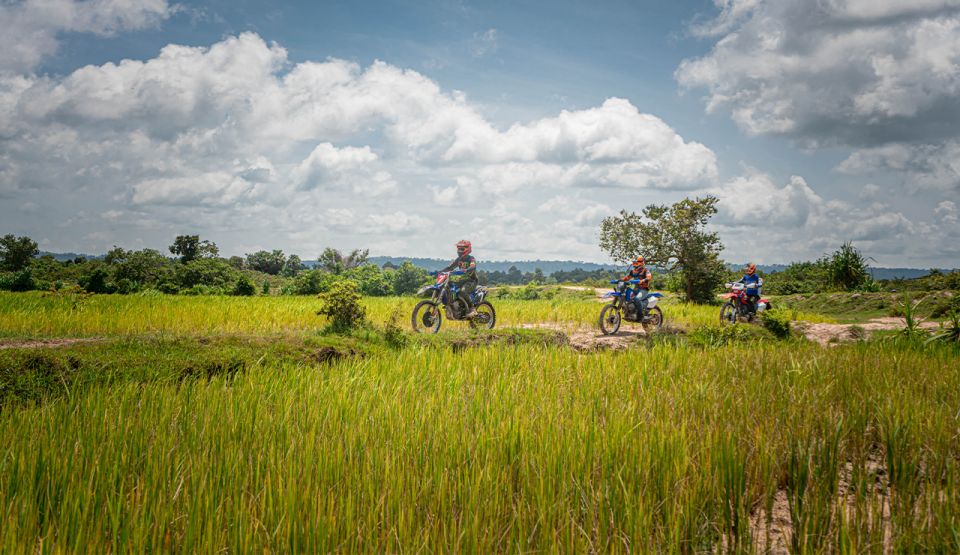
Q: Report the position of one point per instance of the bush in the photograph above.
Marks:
(777, 322)
(371, 280)
(18, 281)
(341, 305)
(313, 282)
(244, 287)
(408, 278)
(96, 281)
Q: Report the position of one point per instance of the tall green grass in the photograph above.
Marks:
(50, 315)
(502, 448)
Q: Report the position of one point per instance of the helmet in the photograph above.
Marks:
(751, 269)
(464, 247)
(638, 263)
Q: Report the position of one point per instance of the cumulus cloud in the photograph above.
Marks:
(793, 222)
(32, 27)
(933, 167)
(235, 132)
(858, 72)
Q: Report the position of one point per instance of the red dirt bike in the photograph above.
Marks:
(739, 306)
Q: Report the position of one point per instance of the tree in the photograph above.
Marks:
(673, 238)
(848, 268)
(267, 262)
(16, 252)
(236, 261)
(293, 266)
(408, 278)
(333, 261)
(190, 247)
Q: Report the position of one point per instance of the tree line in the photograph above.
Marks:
(674, 240)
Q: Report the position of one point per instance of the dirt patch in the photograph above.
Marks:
(834, 334)
(592, 340)
(330, 355)
(45, 343)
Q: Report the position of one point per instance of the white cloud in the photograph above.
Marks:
(932, 167)
(833, 71)
(483, 43)
(399, 223)
(32, 27)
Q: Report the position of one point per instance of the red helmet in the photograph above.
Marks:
(751, 269)
(464, 247)
(638, 263)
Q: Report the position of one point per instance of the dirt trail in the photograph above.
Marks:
(40, 343)
(834, 334)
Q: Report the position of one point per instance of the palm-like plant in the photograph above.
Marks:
(950, 330)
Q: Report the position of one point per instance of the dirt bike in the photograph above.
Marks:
(738, 306)
(622, 307)
(444, 299)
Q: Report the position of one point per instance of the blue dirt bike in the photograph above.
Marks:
(427, 315)
(622, 307)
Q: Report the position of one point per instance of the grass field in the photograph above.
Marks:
(200, 424)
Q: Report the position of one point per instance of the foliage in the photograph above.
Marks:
(335, 262)
(407, 278)
(371, 280)
(190, 247)
(341, 305)
(96, 280)
(205, 271)
(312, 282)
(244, 287)
(18, 281)
(799, 277)
(848, 269)
(673, 238)
(267, 262)
(293, 266)
(912, 328)
(393, 333)
(949, 331)
(16, 252)
(777, 322)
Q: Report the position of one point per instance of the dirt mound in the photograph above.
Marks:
(834, 334)
(41, 343)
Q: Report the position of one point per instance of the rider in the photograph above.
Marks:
(468, 265)
(752, 282)
(639, 271)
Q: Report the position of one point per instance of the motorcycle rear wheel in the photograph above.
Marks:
(426, 317)
(655, 319)
(610, 319)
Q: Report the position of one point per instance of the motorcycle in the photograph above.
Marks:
(444, 299)
(738, 305)
(622, 307)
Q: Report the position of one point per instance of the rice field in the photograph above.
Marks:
(52, 315)
(758, 445)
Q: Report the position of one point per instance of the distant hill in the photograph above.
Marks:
(64, 256)
(878, 273)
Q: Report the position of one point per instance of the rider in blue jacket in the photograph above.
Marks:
(639, 271)
(753, 282)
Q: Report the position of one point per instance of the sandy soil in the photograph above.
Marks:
(834, 334)
(586, 339)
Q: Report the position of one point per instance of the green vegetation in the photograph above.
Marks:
(673, 238)
(207, 423)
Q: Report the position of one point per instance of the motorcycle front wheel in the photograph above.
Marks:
(609, 319)
(486, 316)
(426, 317)
(728, 314)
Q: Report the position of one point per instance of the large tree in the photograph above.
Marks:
(190, 247)
(673, 238)
(267, 262)
(335, 262)
(16, 252)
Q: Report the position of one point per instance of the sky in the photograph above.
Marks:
(404, 126)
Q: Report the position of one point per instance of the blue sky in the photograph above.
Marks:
(404, 126)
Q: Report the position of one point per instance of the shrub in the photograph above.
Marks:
(244, 287)
(96, 281)
(18, 281)
(777, 322)
(393, 332)
(341, 305)
(313, 282)
(265, 289)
